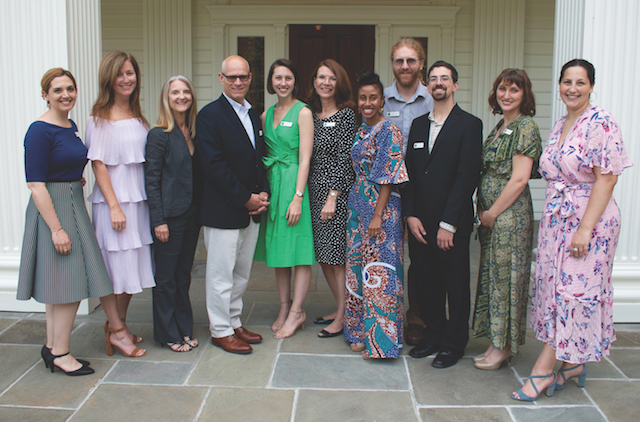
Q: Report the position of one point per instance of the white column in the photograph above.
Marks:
(36, 36)
(606, 34)
(498, 44)
(167, 47)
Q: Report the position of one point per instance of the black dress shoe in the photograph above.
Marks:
(325, 333)
(320, 320)
(424, 350)
(446, 359)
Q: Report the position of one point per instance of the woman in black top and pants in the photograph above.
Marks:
(173, 183)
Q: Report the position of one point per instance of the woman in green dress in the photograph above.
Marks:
(286, 238)
(510, 157)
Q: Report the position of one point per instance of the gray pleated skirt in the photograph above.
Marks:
(50, 277)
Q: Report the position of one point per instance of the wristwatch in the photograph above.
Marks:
(333, 194)
(300, 194)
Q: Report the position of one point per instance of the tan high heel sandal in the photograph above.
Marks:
(275, 327)
(110, 346)
(280, 334)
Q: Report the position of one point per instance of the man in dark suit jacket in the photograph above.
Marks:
(443, 161)
(235, 192)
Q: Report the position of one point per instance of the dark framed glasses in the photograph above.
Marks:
(232, 78)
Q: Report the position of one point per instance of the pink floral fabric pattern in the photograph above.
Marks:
(571, 307)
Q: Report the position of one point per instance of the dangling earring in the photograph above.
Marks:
(558, 96)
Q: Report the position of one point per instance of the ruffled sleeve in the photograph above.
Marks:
(605, 148)
(388, 167)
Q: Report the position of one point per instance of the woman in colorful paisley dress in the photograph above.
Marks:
(509, 155)
(374, 267)
(571, 307)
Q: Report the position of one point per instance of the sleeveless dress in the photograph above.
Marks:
(572, 302)
(127, 253)
(280, 245)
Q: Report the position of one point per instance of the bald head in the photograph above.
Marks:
(235, 78)
(234, 60)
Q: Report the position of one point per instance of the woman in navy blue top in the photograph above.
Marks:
(61, 263)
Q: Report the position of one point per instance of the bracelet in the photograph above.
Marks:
(448, 227)
(56, 232)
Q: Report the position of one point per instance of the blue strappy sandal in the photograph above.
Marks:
(550, 389)
(582, 375)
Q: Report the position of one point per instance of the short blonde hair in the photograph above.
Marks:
(165, 114)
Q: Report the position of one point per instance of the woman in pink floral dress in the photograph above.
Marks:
(571, 310)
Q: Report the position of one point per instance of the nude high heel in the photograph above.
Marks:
(281, 334)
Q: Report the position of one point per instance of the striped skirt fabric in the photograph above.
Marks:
(50, 277)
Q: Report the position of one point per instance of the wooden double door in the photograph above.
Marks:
(352, 46)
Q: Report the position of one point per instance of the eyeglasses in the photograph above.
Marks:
(232, 78)
(411, 61)
(323, 78)
(443, 78)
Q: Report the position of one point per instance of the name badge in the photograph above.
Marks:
(286, 124)
(393, 114)
(507, 132)
(77, 134)
(260, 132)
(329, 124)
(418, 145)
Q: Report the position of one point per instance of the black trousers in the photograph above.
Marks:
(441, 278)
(172, 315)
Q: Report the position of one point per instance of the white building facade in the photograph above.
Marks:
(479, 37)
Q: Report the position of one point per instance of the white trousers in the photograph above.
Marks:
(229, 258)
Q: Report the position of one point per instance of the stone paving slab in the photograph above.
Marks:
(461, 384)
(617, 399)
(317, 371)
(41, 388)
(15, 361)
(26, 331)
(627, 339)
(466, 414)
(347, 406)
(144, 372)
(116, 402)
(247, 404)
(219, 368)
(18, 414)
(562, 414)
(627, 360)
(6, 322)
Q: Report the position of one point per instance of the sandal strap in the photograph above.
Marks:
(59, 356)
(113, 330)
(531, 377)
(562, 371)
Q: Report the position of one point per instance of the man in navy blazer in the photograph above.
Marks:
(236, 191)
(443, 161)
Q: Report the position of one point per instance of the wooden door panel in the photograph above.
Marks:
(350, 45)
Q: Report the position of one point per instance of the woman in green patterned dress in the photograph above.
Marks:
(510, 157)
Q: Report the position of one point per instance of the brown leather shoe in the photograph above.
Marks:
(247, 336)
(231, 344)
(414, 335)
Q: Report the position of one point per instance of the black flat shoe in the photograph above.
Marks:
(446, 359)
(326, 334)
(424, 350)
(320, 320)
(46, 352)
(83, 370)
